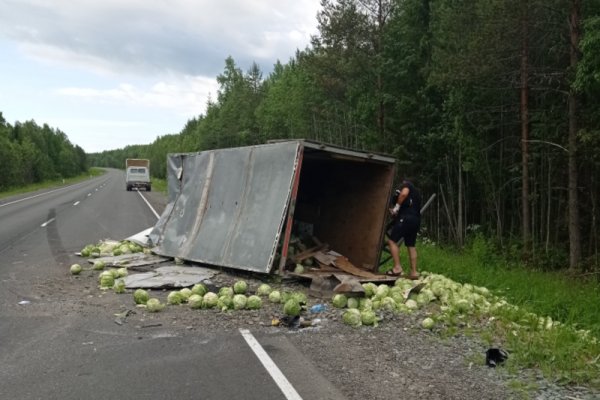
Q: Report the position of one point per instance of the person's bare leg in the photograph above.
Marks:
(412, 255)
(395, 252)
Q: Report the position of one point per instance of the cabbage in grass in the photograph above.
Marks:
(428, 323)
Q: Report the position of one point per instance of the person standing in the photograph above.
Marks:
(407, 214)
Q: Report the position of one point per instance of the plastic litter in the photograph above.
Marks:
(317, 308)
(495, 356)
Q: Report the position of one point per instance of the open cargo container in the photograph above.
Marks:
(237, 207)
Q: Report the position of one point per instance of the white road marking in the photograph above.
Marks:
(286, 387)
(47, 222)
(32, 197)
(77, 202)
(152, 209)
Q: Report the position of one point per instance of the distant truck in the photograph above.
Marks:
(137, 174)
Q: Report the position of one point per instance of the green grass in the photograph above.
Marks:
(92, 172)
(159, 185)
(544, 293)
(563, 353)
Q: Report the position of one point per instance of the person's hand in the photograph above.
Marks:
(394, 211)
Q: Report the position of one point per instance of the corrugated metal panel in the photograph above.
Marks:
(230, 206)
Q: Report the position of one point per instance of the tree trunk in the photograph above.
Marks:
(525, 132)
(574, 229)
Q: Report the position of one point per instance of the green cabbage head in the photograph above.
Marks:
(239, 301)
(154, 305)
(339, 300)
(210, 300)
(240, 287)
(352, 317)
(292, 308)
(263, 290)
(76, 269)
(175, 297)
(275, 296)
(140, 296)
(254, 302)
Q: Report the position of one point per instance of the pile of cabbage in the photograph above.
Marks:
(454, 305)
(456, 301)
(108, 248)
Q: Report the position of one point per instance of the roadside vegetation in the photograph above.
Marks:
(52, 183)
(551, 321)
(160, 185)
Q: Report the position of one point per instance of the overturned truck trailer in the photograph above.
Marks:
(237, 207)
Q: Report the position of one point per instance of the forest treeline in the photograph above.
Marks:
(491, 104)
(30, 153)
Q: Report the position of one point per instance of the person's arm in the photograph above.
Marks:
(401, 197)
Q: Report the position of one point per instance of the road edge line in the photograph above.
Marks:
(284, 385)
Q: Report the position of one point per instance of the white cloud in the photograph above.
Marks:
(114, 72)
(187, 95)
(189, 36)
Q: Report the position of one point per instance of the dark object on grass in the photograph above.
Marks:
(494, 357)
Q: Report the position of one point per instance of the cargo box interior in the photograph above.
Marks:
(342, 201)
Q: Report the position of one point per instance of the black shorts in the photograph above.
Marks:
(407, 228)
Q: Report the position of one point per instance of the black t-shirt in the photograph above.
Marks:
(411, 206)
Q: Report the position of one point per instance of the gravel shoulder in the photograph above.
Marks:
(395, 360)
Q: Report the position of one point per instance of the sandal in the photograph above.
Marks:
(392, 273)
(413, 277)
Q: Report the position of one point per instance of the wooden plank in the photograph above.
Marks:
(345, 265)
(308, 253)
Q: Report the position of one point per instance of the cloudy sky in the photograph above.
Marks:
(109, 73)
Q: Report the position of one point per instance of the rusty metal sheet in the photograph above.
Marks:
(230, 206)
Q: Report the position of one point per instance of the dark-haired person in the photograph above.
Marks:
(407, 213)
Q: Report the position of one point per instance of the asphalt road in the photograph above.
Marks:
(52, 347)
